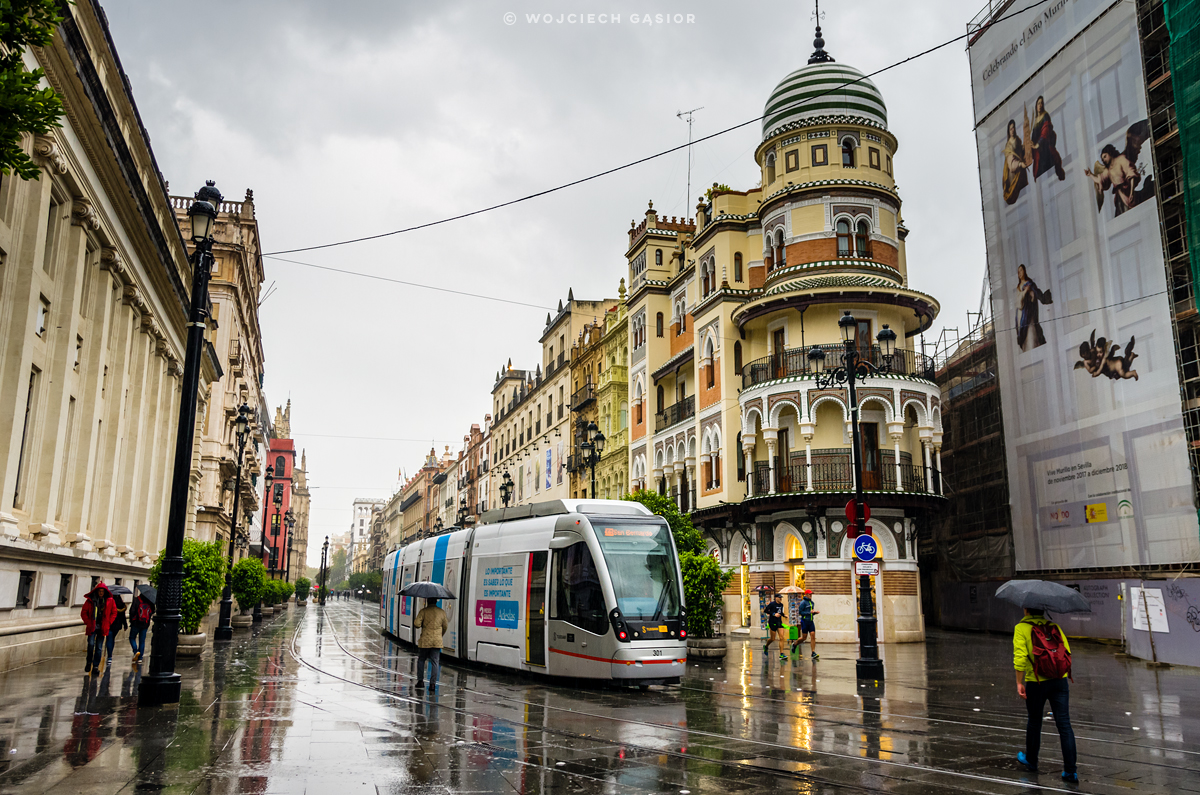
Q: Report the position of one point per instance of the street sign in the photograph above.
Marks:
(869, 569)
(852, 511)
(865, 548)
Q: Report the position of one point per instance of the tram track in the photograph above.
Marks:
(921, 771)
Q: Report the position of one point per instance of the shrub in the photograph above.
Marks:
(203, 581)
(303, 586)
(288, 590)
(249, 580)
(687, 537)
(703, 584)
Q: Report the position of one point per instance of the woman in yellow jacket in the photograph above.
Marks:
(1037, 689)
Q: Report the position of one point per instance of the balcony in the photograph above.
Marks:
(684, 409)
(583, 396)
(617, 374)
(838, 478)
(794, 362)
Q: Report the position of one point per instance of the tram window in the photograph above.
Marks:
(578, 597)
(641, 563)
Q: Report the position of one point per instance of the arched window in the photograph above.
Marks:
(843, 238)
(737, 266)
(737, 358)
(658, 258)
(862, 239)
(781, 255)
(848, 153)
(770, 163)
(658, 324)
(712, 374)
(659, 402)
(280, 467)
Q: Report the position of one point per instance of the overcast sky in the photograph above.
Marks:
(356, 117)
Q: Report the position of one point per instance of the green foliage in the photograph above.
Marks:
(203, 581)
(703, 583)
(337, 561)
(303, 586)
(687, 537)
(277, 592)
(344, 585)
(25, 107)
(288, 590)
(716, 189)
(371, 580)
(249, 577)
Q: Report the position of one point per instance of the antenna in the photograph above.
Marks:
(687, 197)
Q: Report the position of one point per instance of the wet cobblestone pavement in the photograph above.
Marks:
(318, 701)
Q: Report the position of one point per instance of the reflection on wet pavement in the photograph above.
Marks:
(317, 701)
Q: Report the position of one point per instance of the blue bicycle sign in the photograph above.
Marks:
(865, 548)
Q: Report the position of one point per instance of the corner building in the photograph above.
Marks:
(728, 418)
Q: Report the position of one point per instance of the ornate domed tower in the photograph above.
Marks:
(748, 437)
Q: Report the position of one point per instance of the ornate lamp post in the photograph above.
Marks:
(268, 476)
(161, 685)
(437, 527)
(462, 511)
(506, 488)
(224, 629)
(277, 501)
(869, 665)
(324, 568)
(289, 521)
(592, 447)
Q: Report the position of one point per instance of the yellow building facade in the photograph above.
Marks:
(612, 395)
(727, 413)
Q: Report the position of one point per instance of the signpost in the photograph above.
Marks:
(865, 548)
(866, 569)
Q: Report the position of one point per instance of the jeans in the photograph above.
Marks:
(434, 656)
(94, 650)
(137, 637)
(112, 641)
(1057, 692)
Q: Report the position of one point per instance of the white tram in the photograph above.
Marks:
(580, 588)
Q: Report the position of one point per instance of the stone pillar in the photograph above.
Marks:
(748, 457)
(657, 474)
(807, 430)
(926, 436)
(937, 451)
(896, 432)
(771, 437)
(679, 467)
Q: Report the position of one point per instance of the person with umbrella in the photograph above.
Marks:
(119, 623)
(433, 623)
(1042, 659)
(98, 612)
(140, 614)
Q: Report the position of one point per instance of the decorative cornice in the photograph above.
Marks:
(46, 150)
(84, 214)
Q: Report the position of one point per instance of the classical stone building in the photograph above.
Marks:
(612, 397)
(724, 310)
(531, 428)
(361, 532)
(587, 363)
(301, 500)
(95, 287)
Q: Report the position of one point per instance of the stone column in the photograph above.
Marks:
(937, 451)
(771, 437)
(748, 457)
(807, 430)
(926, 436)
(896, 432)
(679, 468)
(657, 474)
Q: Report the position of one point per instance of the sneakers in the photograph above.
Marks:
(1024, 760)
(1070, 778)
(816, 656)
(765, 647)
(783, 657)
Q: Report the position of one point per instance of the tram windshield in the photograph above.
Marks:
(641, 563)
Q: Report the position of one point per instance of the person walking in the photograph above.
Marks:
(1042, 659)
(140, 613)
(97, 613)
(775, 631)
(119, 623)
(433, 623)
(808, 627)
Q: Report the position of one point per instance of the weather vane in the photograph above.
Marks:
(817, 15)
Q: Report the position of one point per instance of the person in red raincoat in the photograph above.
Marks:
(99, 611)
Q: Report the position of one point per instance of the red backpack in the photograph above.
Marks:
(144, 611)
(1051, 660)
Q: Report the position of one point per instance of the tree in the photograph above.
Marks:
(203, 581)
(248, 582)
(687, 537)
(303, 585)
(370, 580)
(337, 563)
(25, 107)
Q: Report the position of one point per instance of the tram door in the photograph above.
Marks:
(535, 618)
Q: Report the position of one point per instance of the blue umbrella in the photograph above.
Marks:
(1043, 595)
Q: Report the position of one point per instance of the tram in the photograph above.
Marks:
(572, 588)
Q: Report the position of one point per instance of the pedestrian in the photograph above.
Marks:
(1042, 659)
(140, 613)
(97, 613)
(119, 623)
(775, 631)
(808, 627)
(433, 622)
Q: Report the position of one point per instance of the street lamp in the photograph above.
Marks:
(161, 685)
(869, 665)
(506, 488)
(437, 526)
(592, 447)
(324, 569)
(277, 501)
(241, 426)
(289, 521)
(268, 476)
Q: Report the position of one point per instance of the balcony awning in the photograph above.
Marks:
(675, 362)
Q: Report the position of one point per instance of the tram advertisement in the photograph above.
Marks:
(499, 586)
(1097, 459)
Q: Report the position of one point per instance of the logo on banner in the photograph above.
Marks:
(501, 614)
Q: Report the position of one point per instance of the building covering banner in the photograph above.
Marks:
(1097, 458)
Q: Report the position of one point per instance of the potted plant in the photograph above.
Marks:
(303, 586)
(703, 579)
(287, 589)
(203, 581)
(270, 596)
(248, 581)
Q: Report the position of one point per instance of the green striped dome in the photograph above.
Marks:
(819, 90)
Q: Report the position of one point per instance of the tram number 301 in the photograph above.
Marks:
(657, 652)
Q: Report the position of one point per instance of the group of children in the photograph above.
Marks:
(104, 616)
(776, 631)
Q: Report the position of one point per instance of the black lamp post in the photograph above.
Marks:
(592, 445)
(161, 685)
(324, 569)
(869, 665)
(277, 501)
(268, 476)
(289, 521)
(462, 510)
(437, 527)
(224, 629)
(506, 488)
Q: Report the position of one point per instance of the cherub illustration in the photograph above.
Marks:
(1099, 358)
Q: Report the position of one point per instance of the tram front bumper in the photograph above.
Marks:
(634, 663)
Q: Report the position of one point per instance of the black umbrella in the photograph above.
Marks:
(149, 593)
(120, 590)
(1043, 595)
(427, 590)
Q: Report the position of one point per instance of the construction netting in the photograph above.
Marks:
(1183, 23)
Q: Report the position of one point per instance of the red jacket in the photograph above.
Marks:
(99, 623)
